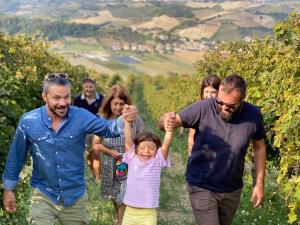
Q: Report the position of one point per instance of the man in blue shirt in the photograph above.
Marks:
(224, 128)
(90, 100)
(55, 136)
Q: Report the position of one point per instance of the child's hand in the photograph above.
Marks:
(168, 128)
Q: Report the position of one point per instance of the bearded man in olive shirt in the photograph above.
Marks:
(224, 128)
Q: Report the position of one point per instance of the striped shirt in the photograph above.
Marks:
(143, 180)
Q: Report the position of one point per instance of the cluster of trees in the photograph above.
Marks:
(271, 67)
(52, 29)
(57, 29)
(174, 9)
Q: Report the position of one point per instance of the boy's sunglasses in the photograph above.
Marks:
(52, 76)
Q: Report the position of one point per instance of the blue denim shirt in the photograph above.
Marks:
(58, 157)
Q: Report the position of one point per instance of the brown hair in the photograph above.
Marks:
(116, 91)
(234, 82)
(210, 80)
(147, 136)
(88, 80)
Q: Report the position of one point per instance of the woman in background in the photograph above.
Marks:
(209, 89)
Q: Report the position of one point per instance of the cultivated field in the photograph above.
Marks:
(244, 19)
(238, 5)
(102, 17)
(163, 22)
(189, 57)
(201, 31)
(88, 64)
(91, 54)
(163, 65)
(215, 15)
(205, 13)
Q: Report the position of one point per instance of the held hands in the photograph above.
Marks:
(130, 113)
(9, 201)
(257, 195)
(115, 154)
(169, 121)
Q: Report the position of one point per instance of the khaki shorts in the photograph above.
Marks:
(44, 212)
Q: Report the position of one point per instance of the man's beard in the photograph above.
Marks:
(226, 117)
(231, 114)
(51, 109)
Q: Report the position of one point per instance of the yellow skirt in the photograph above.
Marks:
(139, 216)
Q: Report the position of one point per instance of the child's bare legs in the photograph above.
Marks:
(93, 162)
(120, 212)
(96, 167)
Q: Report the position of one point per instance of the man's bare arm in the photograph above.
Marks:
(259, 149)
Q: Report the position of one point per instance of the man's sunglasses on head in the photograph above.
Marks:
(52, 76)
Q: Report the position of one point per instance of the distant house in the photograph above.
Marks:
(134, 47)
(168, 47)
(183, 39)
(163, 37)
(247, 38)
(116, 46)
(126, 47)
(160, 48)
(145, 48)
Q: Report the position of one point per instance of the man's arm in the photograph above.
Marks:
(15, 160)
(259, 150)
(191, 140)
(170, 120)
(99, 147)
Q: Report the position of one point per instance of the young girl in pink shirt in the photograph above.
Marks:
(145, 157)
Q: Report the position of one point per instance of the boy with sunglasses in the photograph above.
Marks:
(54, 135)
(224, 128)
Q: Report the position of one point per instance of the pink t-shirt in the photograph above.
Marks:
(143, 180)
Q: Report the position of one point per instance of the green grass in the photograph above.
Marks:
(112, 64)
(272, 212)
(73, 46)
(100, 211)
